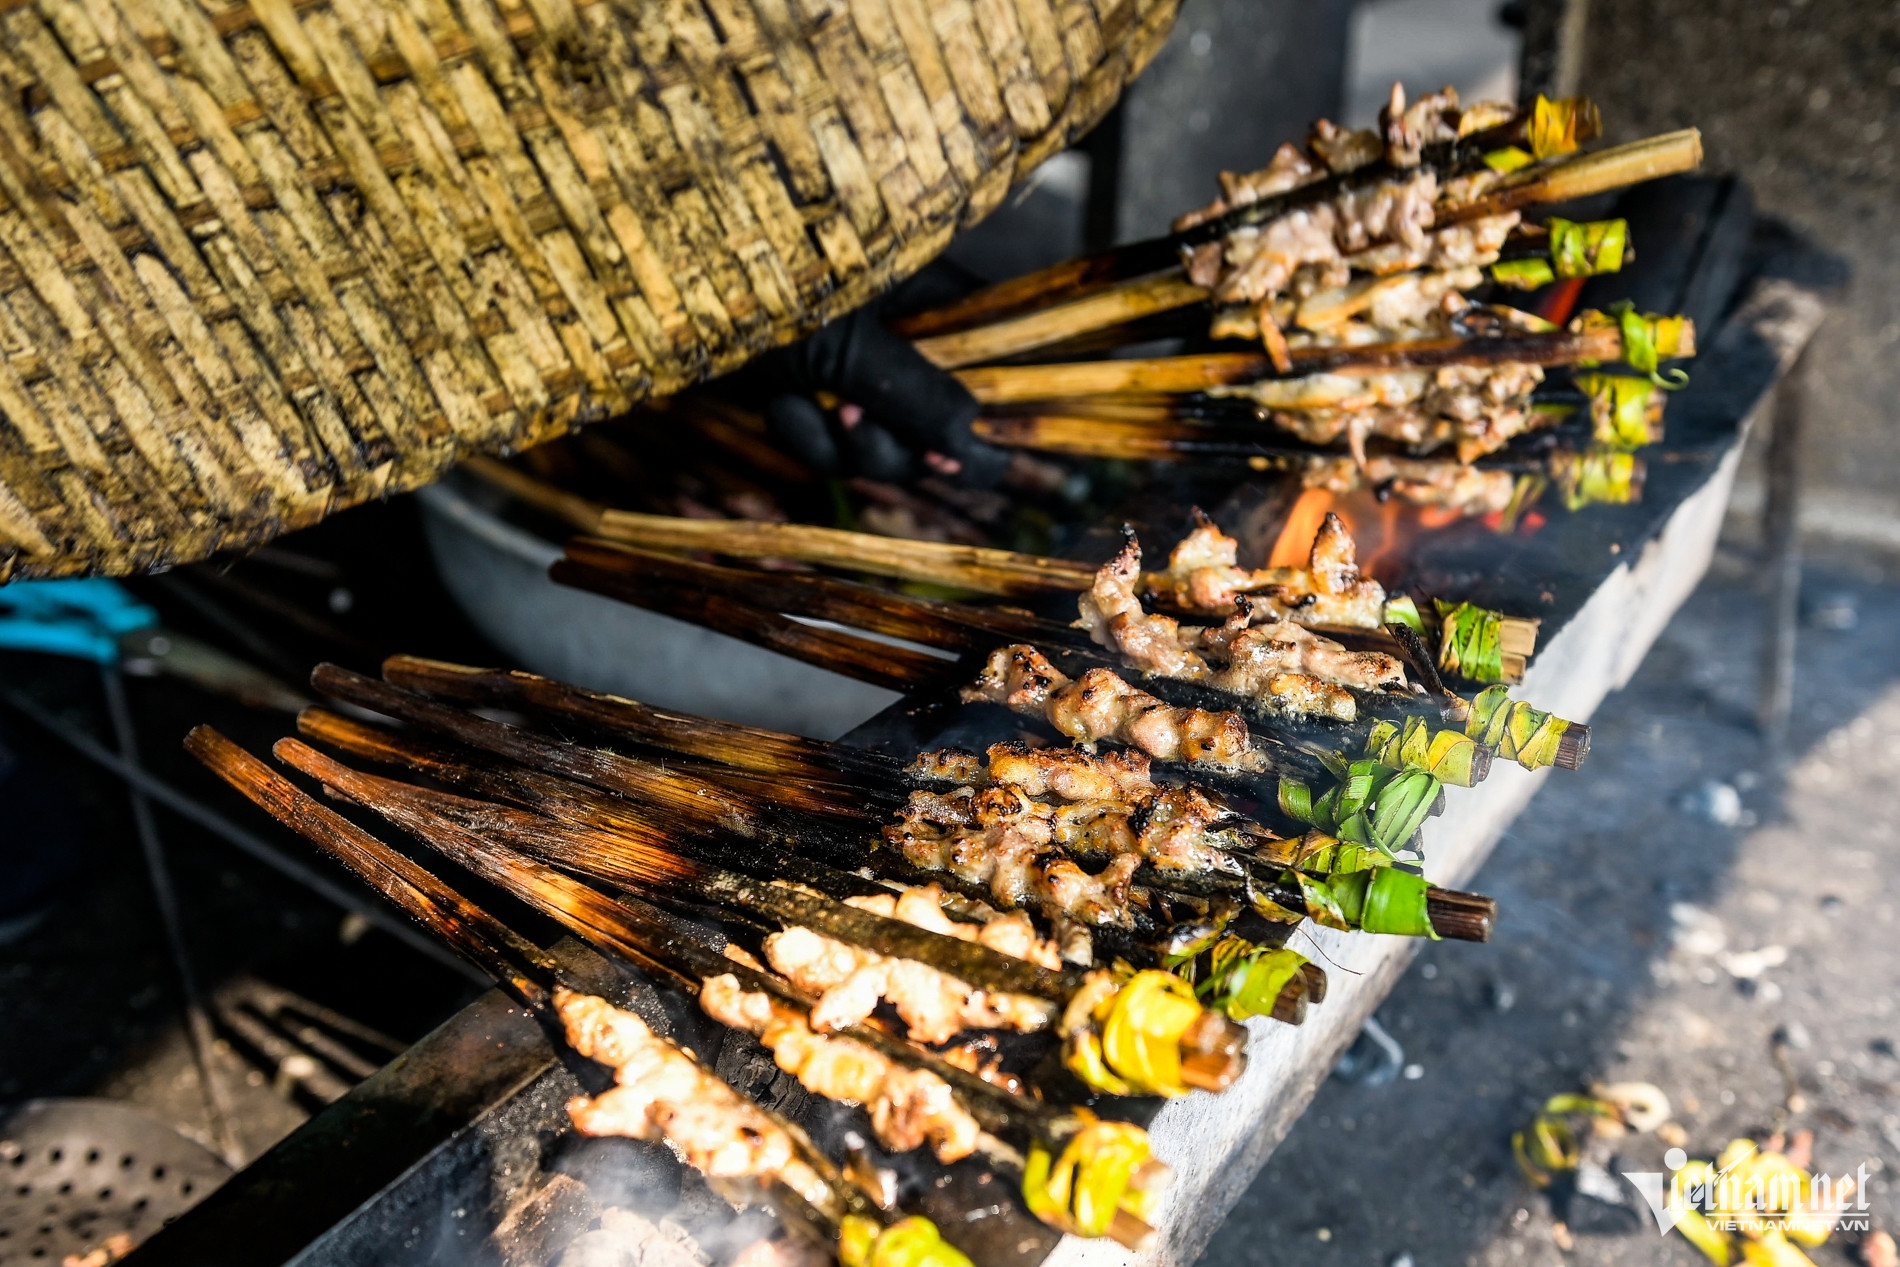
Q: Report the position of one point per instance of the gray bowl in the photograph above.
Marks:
(498, 575)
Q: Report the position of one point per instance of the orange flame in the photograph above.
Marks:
(1293, 548)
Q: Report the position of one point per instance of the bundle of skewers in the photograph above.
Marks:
(1002, 956)
(1368, 270)
(992, 955)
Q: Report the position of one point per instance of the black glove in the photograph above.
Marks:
(902, 417)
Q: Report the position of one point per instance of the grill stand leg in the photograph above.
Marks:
(1781, 557)
(197, 1023)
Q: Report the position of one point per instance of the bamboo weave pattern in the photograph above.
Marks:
(262, 261)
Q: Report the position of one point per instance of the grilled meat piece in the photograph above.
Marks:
(661, 1092)
(935, 1006)
(908, 1107)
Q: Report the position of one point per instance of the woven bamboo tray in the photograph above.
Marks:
(260, 262)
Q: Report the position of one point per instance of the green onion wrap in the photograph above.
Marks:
(1578, 248)
(1446, 755)
(1526, 274)
(1587, 248)
(1322, 904)
(1625, 411)
(1649, 339)
(1328, 855)
(911, 1242)
(1126, 1040)
(1246, 980)
(1401, 610)
(1556, 128)
(1598, 476)
(1559, 127)
(1508, 159)
(1515, 730)
(1384, 900)
(1099, 1171)
(1373, 804)
(1468, 641)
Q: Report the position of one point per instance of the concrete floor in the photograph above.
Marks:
(1624, 910)
(1802, 99)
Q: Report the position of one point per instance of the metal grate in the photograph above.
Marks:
(76, 1172)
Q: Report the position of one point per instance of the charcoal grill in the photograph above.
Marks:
(459, 1151)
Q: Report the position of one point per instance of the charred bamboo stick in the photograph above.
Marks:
(518, 964)
(976, 568)
(878, 663)
(641, 781)
(645, 789)
(797, 852)
(976, 964)
(945, 625)
(561, 804)
(751, 748)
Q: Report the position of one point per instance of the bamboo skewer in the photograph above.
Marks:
(747, 747)
(967, 961)
(577, 804)
(1090, 273)
(880, 664)
(964, 628)
(1094, 291)
(709, 810)
(1070, 278)
(1648, 159)
(518, 964)
(1112, 306)
(1012, 384)
(1100, 309)
(976, 568)
(631, 930)
(630, 927)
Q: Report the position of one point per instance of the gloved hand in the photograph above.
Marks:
(900, 416)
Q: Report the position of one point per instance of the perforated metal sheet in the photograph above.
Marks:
(74, 1172)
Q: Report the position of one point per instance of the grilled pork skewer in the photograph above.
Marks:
(1469, 238)
(747, 608)
(1585, 340)
(1001, 975)
(1558, 181)
(1068, 899)
(1529, 256)
(676, 586)
(1593, 476)
(574, 804)
(662, 1091)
